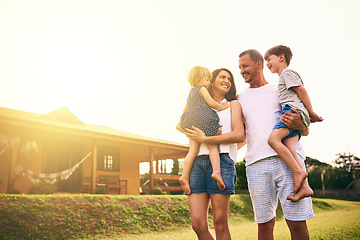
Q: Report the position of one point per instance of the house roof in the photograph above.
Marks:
(63, 118)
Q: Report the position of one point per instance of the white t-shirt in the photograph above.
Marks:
(261, 110)
(225, 121)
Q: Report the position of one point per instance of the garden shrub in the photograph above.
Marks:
(158, 191)
(42, 188)
(14, 191)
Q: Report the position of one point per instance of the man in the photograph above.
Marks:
(269, 178)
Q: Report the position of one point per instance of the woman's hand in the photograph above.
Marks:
(219, 132)
(195, 134)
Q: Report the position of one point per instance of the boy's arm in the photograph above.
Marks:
(237, 135)
(210, 101)
(304, 97)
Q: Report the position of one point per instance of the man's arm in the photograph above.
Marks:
(293, 121)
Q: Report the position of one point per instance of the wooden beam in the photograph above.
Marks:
(164, 177)
(93, 169)
(12, 167)
(157, 167)
(170, 188)
(151, 172)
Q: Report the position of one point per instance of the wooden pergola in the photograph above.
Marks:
(156, 154)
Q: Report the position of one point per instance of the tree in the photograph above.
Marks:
(347, 161)
(314, 177)
(1, 176)
(241, 181)
(4, 144)
(310, 162)
(26, 150)
(175, 168)
(332, 177)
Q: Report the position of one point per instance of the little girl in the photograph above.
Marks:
(198, 112)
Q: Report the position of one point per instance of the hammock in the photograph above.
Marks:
(50, 177)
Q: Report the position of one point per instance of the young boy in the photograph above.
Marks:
(292, 95)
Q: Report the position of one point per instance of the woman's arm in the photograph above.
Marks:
(241, 144)
(237, 135)
(210, 101)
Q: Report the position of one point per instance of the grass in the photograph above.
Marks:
(86, 216)
(151, 217)
(335, 219)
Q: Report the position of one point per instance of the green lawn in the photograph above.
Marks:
(86, 216)
(335, 219)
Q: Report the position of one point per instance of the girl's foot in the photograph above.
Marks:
(219, 181)
(185, 185)
(305, 191)
(298, 180)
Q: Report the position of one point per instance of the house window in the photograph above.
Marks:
(108, 162)
(108, 158)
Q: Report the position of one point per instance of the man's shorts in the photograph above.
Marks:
(200, 175)
(293, 132)
(270, 179)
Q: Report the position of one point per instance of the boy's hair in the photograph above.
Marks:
(254, 55)
(280, 49)
(231, 95)
(197, 73)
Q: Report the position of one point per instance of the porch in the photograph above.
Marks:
(61, 140)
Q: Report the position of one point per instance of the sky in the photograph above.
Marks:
(124, 64)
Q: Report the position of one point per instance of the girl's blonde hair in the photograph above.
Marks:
(197, 73)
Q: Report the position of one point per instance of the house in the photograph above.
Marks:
(58, 147)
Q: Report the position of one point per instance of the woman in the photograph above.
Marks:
(203, 188)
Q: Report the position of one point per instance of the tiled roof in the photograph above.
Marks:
(64, 118)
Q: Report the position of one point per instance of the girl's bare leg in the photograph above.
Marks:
(275, 141)
(199, 206)
(188, 162)
(215, 163)
(305, 190)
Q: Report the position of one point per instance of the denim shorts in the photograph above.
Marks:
(200, 175)
(293, 132)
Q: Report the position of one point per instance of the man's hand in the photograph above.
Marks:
(195, 134)
(293, 121)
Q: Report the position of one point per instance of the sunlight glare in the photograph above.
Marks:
(75, 68)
